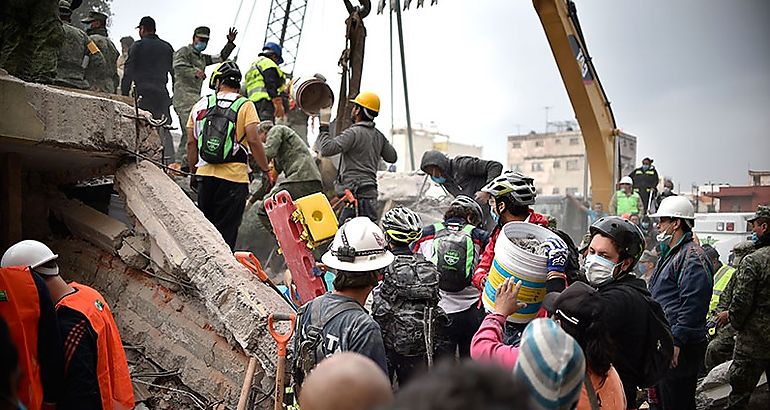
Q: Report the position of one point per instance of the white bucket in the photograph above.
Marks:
(524, 266)
(311, 94)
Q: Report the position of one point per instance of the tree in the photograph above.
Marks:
(81, 12)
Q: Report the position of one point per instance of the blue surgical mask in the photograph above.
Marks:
(438, 180)
(755, 238)
(494, 215)
(645, 167)
(200, 46)
(642, 268)
(599, 270)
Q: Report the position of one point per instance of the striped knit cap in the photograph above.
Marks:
(551, 364)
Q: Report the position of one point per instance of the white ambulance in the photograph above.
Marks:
(723, 230)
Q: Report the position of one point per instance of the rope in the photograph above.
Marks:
(246, 29)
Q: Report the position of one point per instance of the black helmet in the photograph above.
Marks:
(228, 69)
(467, 203)
(627, 236)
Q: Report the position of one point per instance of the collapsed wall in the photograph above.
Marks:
(174, 286)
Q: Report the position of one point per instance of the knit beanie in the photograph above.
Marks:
(551, 364)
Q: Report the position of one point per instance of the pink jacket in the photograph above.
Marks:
(487, 344)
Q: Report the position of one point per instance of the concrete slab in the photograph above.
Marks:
(90, 224)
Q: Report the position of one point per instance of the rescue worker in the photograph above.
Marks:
(749, 314)
(463, 175)
(96, 371)
(668, 190)
(682, 284)
(645, 180)
(189, 72)
(626, 200)
(721, 332)
(31, 34)
(337, 322)
(223, 183)
(290, 155)
(147, 67)
(77, 54)
(125, 45)
(105, 80)
(27, 308)
(723, 274)
(265, 82)
(361, 146)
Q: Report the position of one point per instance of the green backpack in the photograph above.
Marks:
(217, 140)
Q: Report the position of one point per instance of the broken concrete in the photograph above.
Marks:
(86, 222)
(713, 390)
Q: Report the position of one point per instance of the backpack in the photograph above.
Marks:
(454, 255)
(409, 287)
(217, 142)
(659, 343)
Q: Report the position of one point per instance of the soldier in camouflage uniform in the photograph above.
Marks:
(106, 80)
(189, 66)
(749, 314)
(290, 155)
(31, 35)
(720, 348)
(76, 54)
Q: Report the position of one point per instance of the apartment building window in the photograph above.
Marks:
(573, 165)
(557, 141)
(516, 144)
(574, 141)
(571, 191)
(555, 191)
(556, 164)
(539, 143)
(537, 166)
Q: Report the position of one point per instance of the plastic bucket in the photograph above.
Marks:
(513, 261)
(311, 94)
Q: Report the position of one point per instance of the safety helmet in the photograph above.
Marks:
(368, 100)
(627, 236)
(402, 224)
(469, 204)
(626, 180)
(358, 246)
(228, 69)
(33, 254)
(675, 207)
(273, 48)
(514, 185)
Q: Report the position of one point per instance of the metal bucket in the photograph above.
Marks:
(311, 94)
(524, 266)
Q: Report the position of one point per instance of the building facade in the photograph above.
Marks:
(557, 160)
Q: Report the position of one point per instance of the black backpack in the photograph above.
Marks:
(659, 343)
(409, 287)
(217, 140)
(454, 255)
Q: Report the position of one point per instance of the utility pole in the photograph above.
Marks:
(406, 89)
(547, 108)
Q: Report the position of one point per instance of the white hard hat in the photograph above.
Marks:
(358, 246)
(627, 180)
(675, 207)
(33, 254)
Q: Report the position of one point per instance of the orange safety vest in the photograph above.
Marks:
(20, 308)
(115, 387)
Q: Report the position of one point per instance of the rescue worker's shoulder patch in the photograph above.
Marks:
(92, 47)
(3, 296)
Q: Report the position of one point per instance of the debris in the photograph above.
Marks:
(531, 245)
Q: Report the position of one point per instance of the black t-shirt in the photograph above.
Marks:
(81, 386)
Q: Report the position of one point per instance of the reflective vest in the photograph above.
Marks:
(112, 374)
(721, 279)
(20, 308)
(255, 82)
(626, 204)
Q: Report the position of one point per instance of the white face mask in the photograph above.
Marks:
(599, 270)
(664, 236)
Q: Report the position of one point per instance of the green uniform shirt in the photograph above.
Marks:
(750, 305)
(291, 155)
(76, 54)
(187, 87)
(105, 80)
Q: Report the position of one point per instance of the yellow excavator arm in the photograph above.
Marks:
(588, 99)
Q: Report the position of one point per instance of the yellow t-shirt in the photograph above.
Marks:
(231, 171)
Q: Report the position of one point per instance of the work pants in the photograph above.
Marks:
(181, 149)
(404, 368)
(744, 374)
(720, 349)
(155, 99)
(459, 333)
(366, 207)
(222, 202)
(677, 388)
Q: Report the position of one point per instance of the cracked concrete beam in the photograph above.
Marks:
(90, 224)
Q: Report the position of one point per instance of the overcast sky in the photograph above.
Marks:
(689, 78)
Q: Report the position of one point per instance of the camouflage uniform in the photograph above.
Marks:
(750, 316)
(31, 34)
(187, 87)
(77, 54)
(291, 156)
(105, 80)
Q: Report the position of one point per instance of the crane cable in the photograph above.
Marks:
(245, 29)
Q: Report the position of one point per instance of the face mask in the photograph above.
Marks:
(200, 46)
(494, 215)
(642, 268)
(645, 225)
(599, 270)
(88, 26)
(438, 180)
(645, 167)
(755, 238)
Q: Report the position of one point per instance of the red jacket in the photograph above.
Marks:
(482, 269)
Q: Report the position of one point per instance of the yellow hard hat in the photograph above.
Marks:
(368, 100)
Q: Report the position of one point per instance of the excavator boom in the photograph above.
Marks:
(588, 99)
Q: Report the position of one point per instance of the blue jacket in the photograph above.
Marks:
(682, 283)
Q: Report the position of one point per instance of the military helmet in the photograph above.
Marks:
(227, 69)
(65, 7)
(469, 204)
(402, 224)
(627, 237)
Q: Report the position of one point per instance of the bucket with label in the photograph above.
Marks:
(312, 94)
(528, 266)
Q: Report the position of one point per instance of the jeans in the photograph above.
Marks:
(223, 202)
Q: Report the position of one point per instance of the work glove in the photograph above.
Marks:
(557, 254)
(278, 105)
(325, 115)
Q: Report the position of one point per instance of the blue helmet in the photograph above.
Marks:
(275, 49)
